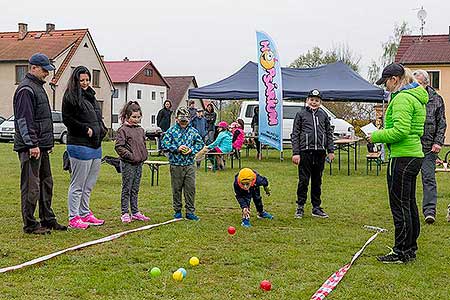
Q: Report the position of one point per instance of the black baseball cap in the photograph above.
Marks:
(39, 59)
(315, 93)
(389, 71)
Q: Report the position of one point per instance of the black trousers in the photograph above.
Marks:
(311, 166)
(401, 179)
(36, 186)
(255, 194)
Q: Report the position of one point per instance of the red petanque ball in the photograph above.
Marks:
(265, 285)
(231, 230)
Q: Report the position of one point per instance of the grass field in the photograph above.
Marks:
(297, 256)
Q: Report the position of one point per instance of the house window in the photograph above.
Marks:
(21, 71)
(115, 93)
(139, 94)
(115, 118)
(153, 95)
(96, 78)
(148, 72)
(153, 119)
(434, 79)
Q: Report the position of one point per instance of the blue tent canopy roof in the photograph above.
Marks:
(336, 82)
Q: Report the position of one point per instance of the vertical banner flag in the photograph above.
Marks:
(270, 93)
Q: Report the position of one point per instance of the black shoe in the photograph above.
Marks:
(319, 213)
(55, 226)
(392, 258)
(430, 219)
(299, 212)
(39, 230)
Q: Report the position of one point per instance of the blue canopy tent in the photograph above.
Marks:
(336, 82)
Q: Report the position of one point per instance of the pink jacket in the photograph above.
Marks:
(238, 138)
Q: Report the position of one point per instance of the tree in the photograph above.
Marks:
(316, 57)
(390, 49)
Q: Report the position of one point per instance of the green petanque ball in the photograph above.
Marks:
(155, 272)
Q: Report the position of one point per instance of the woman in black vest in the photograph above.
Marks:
(85, 132)
(164, 115)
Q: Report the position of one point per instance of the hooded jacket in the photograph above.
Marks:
(130, 143)
(223, 142)
(404, 122)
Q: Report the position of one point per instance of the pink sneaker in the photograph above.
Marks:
(77, 223)
(125, 218)
(92, 220)
(140, 217)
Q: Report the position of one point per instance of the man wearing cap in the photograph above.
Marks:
(432, 141)
(33, 141)
(182, 142)
(312, 139)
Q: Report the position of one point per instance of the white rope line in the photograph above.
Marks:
(84, 245)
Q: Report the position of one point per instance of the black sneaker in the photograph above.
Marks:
(430, 219)
(54, 226)
(392, 258)
(39, 230)
(300, 211)
(319, 213)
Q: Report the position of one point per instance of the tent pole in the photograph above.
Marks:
(220, 109)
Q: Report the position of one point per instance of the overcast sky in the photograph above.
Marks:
(212, 39)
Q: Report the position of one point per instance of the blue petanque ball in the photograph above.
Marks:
(183, 271)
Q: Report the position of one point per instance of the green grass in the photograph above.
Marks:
(297, 256)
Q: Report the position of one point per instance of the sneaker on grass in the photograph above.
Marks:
(265, 215)
(392, 258)
(178, 215)
(246, 223)
(140, 217)
(319, 213)
(192, 217)
(125, 218)
(299, 212)
(77, 223)
(92, 220)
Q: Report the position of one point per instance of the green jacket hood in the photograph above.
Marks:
(417, 91)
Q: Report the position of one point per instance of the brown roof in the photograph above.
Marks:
(430, 49)
(51, 43)
(179, 85)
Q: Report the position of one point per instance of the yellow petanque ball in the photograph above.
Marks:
(177, 275)
(194, 261)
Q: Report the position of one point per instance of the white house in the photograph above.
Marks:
(67, 49)
(140, 81)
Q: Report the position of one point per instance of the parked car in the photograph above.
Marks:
(290, 109)
(59, 129)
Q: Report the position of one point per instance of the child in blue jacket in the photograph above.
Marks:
(246, 186)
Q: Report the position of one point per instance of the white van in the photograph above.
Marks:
(290, 109)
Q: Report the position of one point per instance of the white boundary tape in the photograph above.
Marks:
(84, 245)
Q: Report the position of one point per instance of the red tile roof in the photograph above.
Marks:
(51, 44)
(179, 86)
(124, 71)
(431, 49)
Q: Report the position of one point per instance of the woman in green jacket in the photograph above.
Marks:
(404, 122)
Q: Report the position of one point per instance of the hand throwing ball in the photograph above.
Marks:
(265, 285)
(231, 230)
(194, 261)
(177, 275)
(155, 272)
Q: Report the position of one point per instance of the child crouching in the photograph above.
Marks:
(246, 186)
(130, 145)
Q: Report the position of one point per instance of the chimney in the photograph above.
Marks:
(449, 33)
(49, 27)
(23, 30)
(126, 59)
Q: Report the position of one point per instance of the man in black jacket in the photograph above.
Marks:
(312, 138)
(432, 141)
(32, 141)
